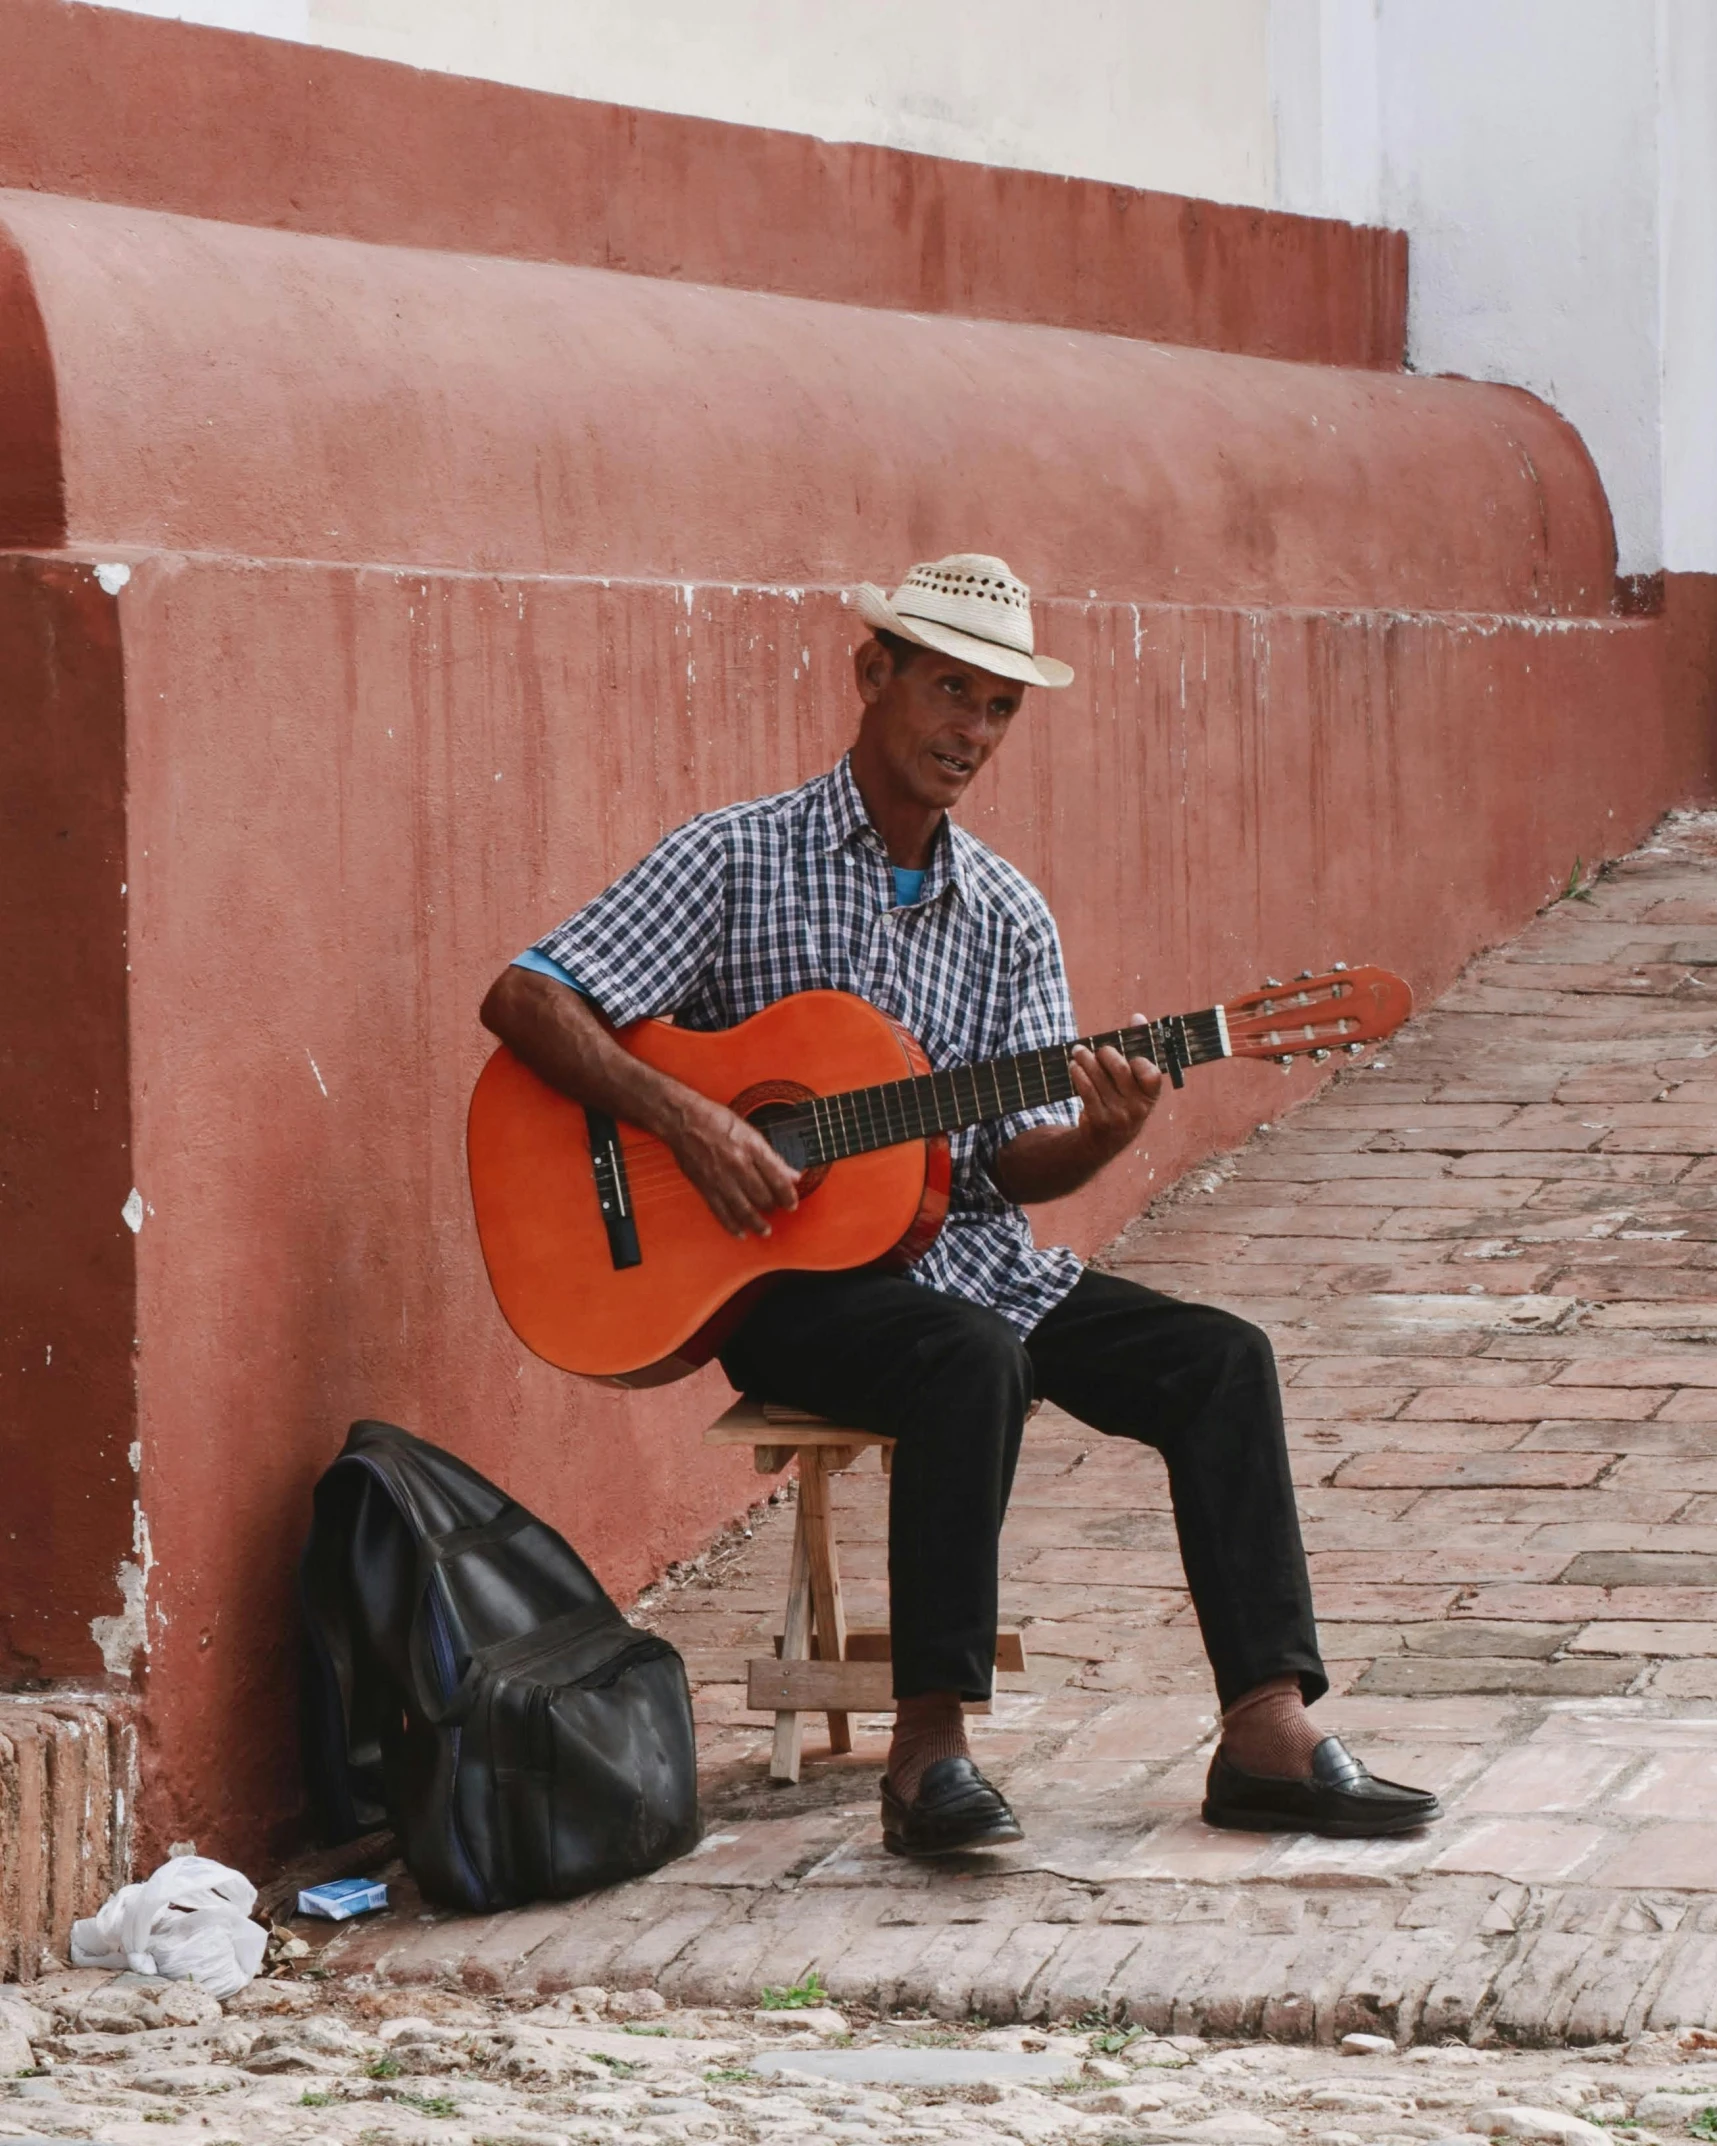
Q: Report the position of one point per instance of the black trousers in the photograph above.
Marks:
(951, 1383)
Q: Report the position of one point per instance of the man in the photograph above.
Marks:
(861, 882)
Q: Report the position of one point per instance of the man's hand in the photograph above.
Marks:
(560, 1037)
(731, 1164)
(1116, 1094)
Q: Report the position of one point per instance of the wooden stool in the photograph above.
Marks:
(819, 1666)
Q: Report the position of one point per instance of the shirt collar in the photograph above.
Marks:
(849, 826)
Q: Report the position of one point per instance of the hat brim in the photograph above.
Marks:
(874, 608)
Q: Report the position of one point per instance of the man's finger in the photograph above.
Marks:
(1081, 1066)
(780, 1184)
(773, 1184)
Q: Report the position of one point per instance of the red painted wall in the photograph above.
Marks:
(67, 1275)
(228, 389)
(325, 871)
(457, 578)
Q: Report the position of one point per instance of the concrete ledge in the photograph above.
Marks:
(1291, 1963)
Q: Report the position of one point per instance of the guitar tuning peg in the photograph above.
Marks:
(1354, 1050)
(1272, 983)
(1303, 977)
(1338, 966)
(1285, 1063)
(1318, 1057)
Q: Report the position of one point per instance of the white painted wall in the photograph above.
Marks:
(1554, 162)
(1687, 259)
(1520, 151)
(267, 18)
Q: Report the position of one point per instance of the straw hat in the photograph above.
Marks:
(966, 605)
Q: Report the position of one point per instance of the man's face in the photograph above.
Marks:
(934, 724)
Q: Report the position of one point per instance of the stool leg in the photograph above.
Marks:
(814, 1508)
(795, 1647)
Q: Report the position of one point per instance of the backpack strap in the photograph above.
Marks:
(506, 1655)
(437, 1549)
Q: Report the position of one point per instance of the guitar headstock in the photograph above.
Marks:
(1343, 1010)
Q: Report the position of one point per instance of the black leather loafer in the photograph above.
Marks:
(955, 1808)
(1341, 1799)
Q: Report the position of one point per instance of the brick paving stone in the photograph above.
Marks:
(1672, 1785)
(1588, 1435)
(1593, 1169)
(1544, 1778)
(1361, 1370)
(1396, 1435)
(1601, 1503)
(1528, 1850)
(1527, 1404)
(1643, 1568)
(1675, 1640)
(1679, 1857)
(1687, 1993)
(1536, 1642)
(1476, 1471)
(1410, 1675)
(1566, 1603)
(1650, 1471)
(1696, 1404)
(1685, 1680)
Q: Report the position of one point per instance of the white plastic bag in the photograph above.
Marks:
(190, 1922)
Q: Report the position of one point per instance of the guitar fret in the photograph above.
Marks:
(947, 1098)
(864, 1110)
(923, 1094)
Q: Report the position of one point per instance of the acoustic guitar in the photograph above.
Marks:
(603, 1255)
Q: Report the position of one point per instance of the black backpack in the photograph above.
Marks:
(468, 1683)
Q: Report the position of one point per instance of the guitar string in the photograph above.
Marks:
(847, 1124)
(862, 1120)
(839, 1133)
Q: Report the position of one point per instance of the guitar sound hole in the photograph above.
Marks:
(773, 1104)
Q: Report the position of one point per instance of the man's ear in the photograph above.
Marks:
(873, 668)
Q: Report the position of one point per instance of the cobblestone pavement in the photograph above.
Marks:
(1489, 1265)
(133, 2062)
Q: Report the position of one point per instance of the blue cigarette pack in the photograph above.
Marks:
(342, 1898)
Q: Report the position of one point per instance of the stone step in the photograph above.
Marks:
(68, 1765)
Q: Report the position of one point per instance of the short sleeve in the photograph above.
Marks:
(642, 946)
(1040, 1014)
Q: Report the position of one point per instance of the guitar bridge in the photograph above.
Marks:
(613, 1194)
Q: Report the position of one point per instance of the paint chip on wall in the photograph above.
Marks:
(113, 577)
(132, 1212)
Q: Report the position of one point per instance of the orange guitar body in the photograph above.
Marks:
(547, 1249)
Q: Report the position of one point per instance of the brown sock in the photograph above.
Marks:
(926, 1729)
(1269, 1732)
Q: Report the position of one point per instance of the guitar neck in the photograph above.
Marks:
(830, 1127)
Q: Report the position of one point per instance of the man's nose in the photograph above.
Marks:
(978, 727)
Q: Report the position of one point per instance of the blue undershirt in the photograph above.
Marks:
(908, 886)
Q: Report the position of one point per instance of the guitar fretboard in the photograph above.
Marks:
(830, 1127)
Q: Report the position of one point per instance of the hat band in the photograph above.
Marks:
(971, 629)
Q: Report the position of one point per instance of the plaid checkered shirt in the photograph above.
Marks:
(739, 907)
